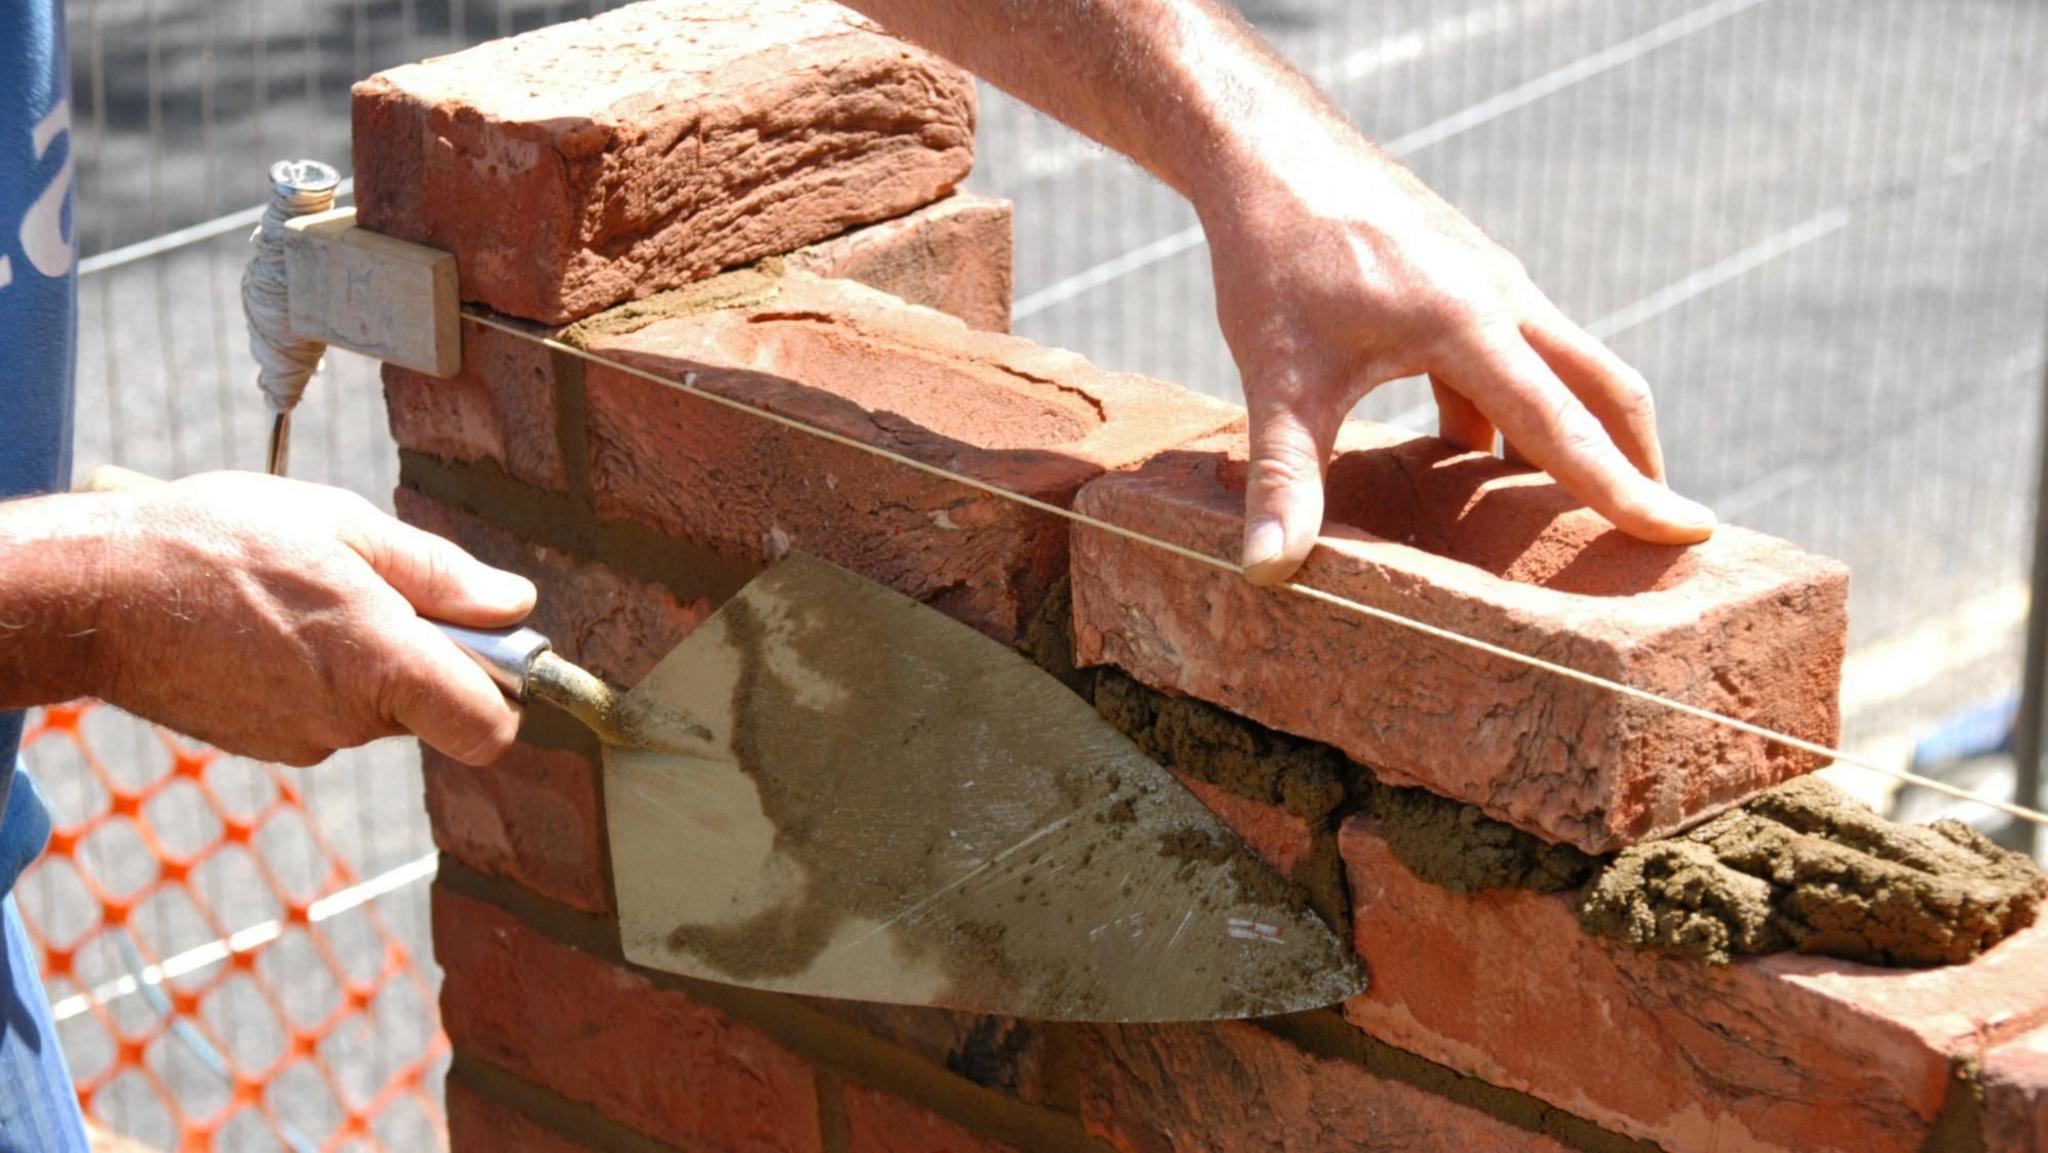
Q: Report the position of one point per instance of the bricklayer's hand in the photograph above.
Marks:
(268, 617)
(1337, 271)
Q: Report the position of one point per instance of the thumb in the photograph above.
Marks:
(1283, 496)
(440, 579)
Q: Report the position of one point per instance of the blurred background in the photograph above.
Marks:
(1817, 227)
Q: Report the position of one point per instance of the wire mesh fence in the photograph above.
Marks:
(1814, 225)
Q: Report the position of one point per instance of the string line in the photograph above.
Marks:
(1341, 603)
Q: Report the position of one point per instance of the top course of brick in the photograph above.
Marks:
(598, 161)
(1743, 624)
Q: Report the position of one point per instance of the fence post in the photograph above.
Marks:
(2029, 725)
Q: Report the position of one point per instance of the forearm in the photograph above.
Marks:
(1181, 86)
(53, 581)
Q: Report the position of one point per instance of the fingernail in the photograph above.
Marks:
(1690, 513)
(509, 588)
(1263, 542)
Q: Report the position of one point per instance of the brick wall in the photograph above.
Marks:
(603, 175)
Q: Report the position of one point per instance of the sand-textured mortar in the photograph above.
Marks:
(1464, 850)
(1303, 777)
(1805, 867)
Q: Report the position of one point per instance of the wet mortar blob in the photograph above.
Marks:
(1805, 867)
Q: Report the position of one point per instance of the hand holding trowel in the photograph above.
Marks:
(831, 789)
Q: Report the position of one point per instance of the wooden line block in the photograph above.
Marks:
(374, 294)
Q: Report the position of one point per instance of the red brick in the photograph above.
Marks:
(845, 358)
(1234, 1088)
(477, 1124)
(1742, 624)
(500, 408)
(2015, 1079)
(597, 161)
(955, 256)
(878, 1122)
(608, 622)
(1281, 839)
(994, 1052)
(535, 816)
(1785, 1052)
(600, 1034)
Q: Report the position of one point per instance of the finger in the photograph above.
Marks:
(434, 691)
(1544, 421)
(301, 756)
(1459, 421)
(1283, 496)
(1613, 392)
(439, 578)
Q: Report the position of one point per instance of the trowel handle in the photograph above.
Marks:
(508, 655)
(523, 664)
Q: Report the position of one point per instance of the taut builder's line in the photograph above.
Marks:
(1345, 604)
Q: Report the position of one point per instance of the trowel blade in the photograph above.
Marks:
(893, 807)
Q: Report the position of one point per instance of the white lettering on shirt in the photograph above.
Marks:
(43, 239)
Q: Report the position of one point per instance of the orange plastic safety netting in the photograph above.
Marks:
(221, 976)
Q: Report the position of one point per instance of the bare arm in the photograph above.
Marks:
(268, 617)
(1336, 269)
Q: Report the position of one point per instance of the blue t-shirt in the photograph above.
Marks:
(38, 322)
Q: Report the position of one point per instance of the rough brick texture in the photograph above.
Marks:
(954, 256)
(499, 408)
(597, 1033)
(1743, 624)
(1233, 1088)
(878, 1122)
(1777, 1053)
(861, 364)
(535, 816)
(2016, 1095)
(477, 1122)
(601, 160)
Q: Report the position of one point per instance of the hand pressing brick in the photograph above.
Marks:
(597, 161)
(1742, 624)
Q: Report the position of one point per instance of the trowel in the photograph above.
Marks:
(831, 789)
(834, 790)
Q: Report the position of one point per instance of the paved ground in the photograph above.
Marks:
(1815, 225)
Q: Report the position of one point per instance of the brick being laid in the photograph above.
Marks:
(1743, 624)
(601, 160)
(834, 355)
